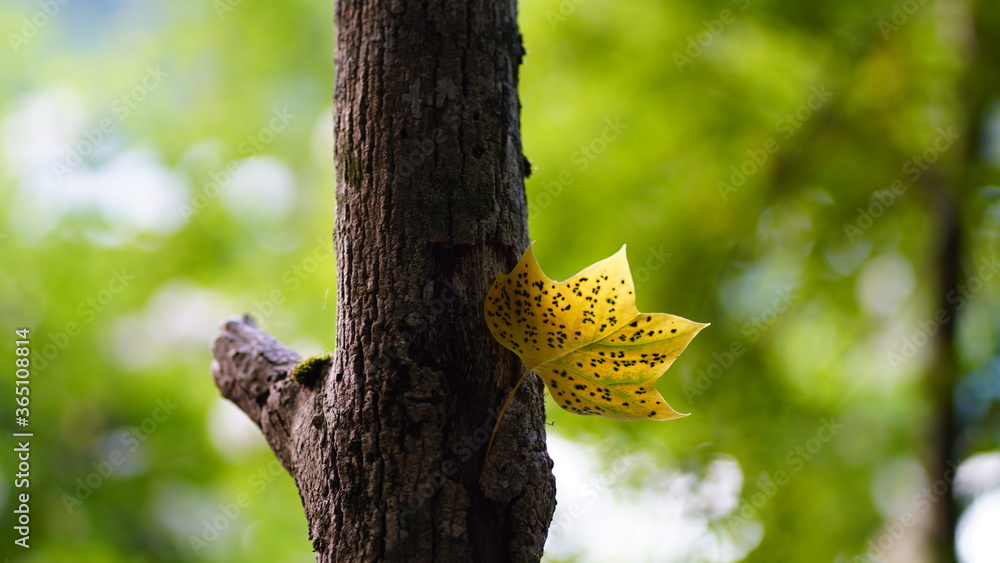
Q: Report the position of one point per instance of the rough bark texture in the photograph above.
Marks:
(387, 446)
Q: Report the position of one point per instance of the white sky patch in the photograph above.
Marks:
(231, 431)
(132, 194)
(262, 190)
(618, 506)
(134, 189)
(112, 197)
(885, 284)
(979, 474)
(41, 128)
(894, 485)
(976, 536)
(176, 323)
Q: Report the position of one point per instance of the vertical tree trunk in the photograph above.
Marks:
(387, 446)
(943, 375)
(977, 92)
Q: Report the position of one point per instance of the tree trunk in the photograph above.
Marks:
(943, 434)
(951, 188)
(387, 445)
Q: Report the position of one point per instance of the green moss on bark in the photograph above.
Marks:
(310, 369)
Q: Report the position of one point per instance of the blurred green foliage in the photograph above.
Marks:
(736, 147)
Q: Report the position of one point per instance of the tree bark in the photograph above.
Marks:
(387, 444)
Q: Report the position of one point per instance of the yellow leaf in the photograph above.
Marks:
(584, 337)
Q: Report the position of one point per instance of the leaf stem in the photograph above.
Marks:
(503, 410)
